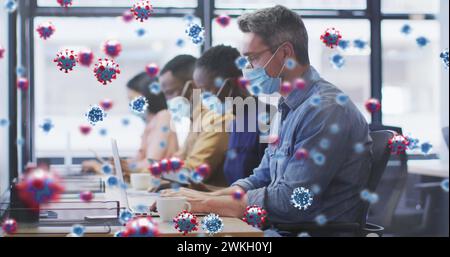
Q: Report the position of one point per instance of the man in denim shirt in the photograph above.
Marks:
(316, 118)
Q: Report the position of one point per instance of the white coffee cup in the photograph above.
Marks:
(169, 207)
(140, 181)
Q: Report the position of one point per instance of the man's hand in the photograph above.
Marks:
(186, 192)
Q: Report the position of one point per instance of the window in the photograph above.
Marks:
(125, 3)
(410, 6)
(294, 4)
(4, 139)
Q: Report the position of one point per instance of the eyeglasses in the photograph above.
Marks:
(255, 57)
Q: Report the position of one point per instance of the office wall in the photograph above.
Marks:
(3, 107)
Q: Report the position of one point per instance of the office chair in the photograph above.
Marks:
(360, 227)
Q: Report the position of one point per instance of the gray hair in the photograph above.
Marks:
(277, 25)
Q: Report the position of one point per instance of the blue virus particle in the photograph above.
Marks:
(444, 58)
(95, 114)
(196, 177)
(255, 216)
(413, 143)
(241, 62)
(188, 18)
(318, 158)
(315, 189)
(125, 216)
(321, 220)
(324, 143)
(20, 71)
(218, 82)
(406, 29)
(422, 41)
(78, 230)
(342, 99)
(112, 181)
(10, 6)
(20, 141)
(196, 33)
(4, 122)
(107, 168)
(142, 10)
(183, 176)
(180, 42)
(232, 154)
(255, 90)
(444, 185)
(360, 44)
(125, 122)
(47, 126)
(366, 195)
(359, 148)
(334, 129)
(141, 32)
(103, 132)
(337, 61)
(163, 144)
(165, 129)
(290, 63)
(426, 148)
(344, 44)
(139, 104)
(301, 198)
(185, 222)
(315, 100)
(212, 224)
(155, 88)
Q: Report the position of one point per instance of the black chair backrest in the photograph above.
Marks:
(380, 157)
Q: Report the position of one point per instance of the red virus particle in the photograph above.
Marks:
(22, 84)
(223, 20)
(254, 216)
(66, 60)
(176, 163)
(331, 37)
(152, 70)
(243, 83)
(106, 104)
(398, 144)
(86, 196)
(373, 105)
(85, 129)
(142, 10)
(9, 226)
(141, 227)
(106, 70)
(286, 87)
(46, 30)
(185, 222)
(165, 165)
(300, 84)
(112, 48)
(127, 16)
(2, 52)
(86, 57)
(38, 187)
(238, 194)
(203, 170)
(65, 3)
(155, 169)
(301, 154)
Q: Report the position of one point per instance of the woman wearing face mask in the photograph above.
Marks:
(158, 140)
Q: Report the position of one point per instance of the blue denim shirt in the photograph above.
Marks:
(336, 135)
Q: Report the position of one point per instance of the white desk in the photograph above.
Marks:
(433, 168)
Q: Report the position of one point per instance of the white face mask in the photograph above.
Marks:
(259, 77)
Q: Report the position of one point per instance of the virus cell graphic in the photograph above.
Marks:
(165, 165)
(20, 71)
(188, 18)
(103, 132)
(238, 194)
(254, 216)
(95, 114)
(106, 104)
(141, 227)
(368, 196)
(125, 122)
(127, 16)
(86, 57)
(38, 187)
(9, 226)
(301, 198)
(301, 154)
(139, 104)
(183, 176)
(10, 6)
(242, 82)
(344, 44)
(152, 70)
(22, 84)
(176, 163)
(125, 216)
(66, 60)
(422, 41)
(373, 105)
(155, 88)
(46, 30)
(112, 48)
(78, 230)
(398, 144)
(2, 52)
(107, 168)
(203, 170)
(426, 147)
(315, 100)
(86, 196)
(318, 158)
(444, 185)
(342, 99)
(321, 220)
(212, 224)
(4, 122)
(324, 143)
(286, 87)
(142, 10)
(106, 70)
(223, 20)
(180, 43)
(185, 222)
(195, 32)
(155, 169)
(300, 84)
(64, 3)
(141, 32)
(443, 56)
(337, 61)
(290, 63)
(47, 126)
(360, 44)
(413, 143)
(358, 148)
(406, 29)
(85, 129)
(241, 62)
(331, 37)
(255, 90)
